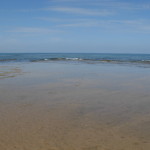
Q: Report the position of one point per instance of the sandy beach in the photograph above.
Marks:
(60, 106)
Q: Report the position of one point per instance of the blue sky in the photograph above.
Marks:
(104, 26)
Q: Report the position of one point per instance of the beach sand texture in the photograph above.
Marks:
(75, 107)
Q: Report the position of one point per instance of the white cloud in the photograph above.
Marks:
(116, 4)
(84, 24)
(52, 19)
(138, 25)
(142, 26)
(62, 0)
(32, 30)
(81, 11)
(110, 4)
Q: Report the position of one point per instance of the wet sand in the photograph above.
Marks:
(9, 71)
(54, 106)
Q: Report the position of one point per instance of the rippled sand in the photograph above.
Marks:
(75, 107)
(9, 71)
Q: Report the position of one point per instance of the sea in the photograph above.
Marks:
(93, 58)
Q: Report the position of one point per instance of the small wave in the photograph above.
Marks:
(5, 60)
(74, 59)
(145, 60)
(110, 61)
(57, 59)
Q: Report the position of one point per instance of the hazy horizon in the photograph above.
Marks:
(73, 53)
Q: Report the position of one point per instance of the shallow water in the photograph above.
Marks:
(61, 106)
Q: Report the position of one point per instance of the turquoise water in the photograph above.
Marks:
(76, 57)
